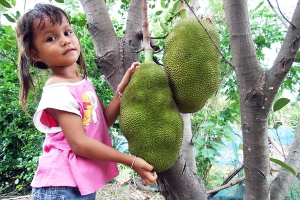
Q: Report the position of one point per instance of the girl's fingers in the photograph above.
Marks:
(134, 66)
(150, 179)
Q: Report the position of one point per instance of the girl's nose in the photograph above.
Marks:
(65, 42)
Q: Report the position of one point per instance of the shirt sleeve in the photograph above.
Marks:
(58, 98)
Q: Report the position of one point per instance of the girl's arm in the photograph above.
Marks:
(84, 146)
(112, 111)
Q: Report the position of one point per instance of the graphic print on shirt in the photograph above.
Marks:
(90, 105)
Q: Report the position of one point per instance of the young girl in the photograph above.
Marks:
(77, 155)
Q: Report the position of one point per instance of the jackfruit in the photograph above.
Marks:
(149, 118)
(192, 63)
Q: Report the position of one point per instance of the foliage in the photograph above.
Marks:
(210, 128)
(19, 138)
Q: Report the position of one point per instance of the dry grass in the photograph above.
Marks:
(128, 191)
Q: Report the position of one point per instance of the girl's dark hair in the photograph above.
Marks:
(25, 37)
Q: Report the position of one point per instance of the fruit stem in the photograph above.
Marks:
(146, 35)
(148, 56)
(182, 11)
(145, 24)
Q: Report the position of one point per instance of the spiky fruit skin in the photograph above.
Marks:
(192, 63)
(149, 119)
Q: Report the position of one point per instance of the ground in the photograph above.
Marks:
(125, 187)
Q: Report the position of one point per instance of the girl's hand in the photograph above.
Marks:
(145, 171)
(126, 78)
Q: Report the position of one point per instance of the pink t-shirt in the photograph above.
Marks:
(59, 166)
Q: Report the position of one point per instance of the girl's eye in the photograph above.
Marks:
(50, 39)
(68, 33)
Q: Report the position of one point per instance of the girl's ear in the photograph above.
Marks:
(34, 55)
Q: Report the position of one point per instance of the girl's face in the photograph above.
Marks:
(56, 44)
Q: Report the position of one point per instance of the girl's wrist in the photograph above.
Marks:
(119, 92)
(133, 162)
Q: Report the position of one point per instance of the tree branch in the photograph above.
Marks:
(113, 56)
(277, 147)
(99, 23)
(133, 34)
(243, 53)
(286, 55)
(285, 178)
(282, 18)
(8, 57)
(226, 182)
(226, 185)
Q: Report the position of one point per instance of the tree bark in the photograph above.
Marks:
(113, 55)
(257, 90)
(187, 147)
(250, 79)
(178, 183)
(284, 179)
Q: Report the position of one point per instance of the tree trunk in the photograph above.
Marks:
(187, 147)
(257, 90)
(178, 183)
(250, 78)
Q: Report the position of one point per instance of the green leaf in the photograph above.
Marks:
(8, 30)
(297, 59)
(176, 7)
(168, 16)
(158, 12)
(9, 18)
(60, 1)
(5, 3)
(18, 14)
(81, 23)
(206, 124)
(280, 103)
(163, 26)
(208, 153)
(282, 164)
(162, 3)
(259, 5)
(240, 146)
(7, 46)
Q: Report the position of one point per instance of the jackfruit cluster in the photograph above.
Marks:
(192, 63)
(149, 118)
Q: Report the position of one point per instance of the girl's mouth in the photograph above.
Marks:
(68, 51)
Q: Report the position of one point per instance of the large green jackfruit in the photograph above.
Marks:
(192, 63)
(149, 118)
